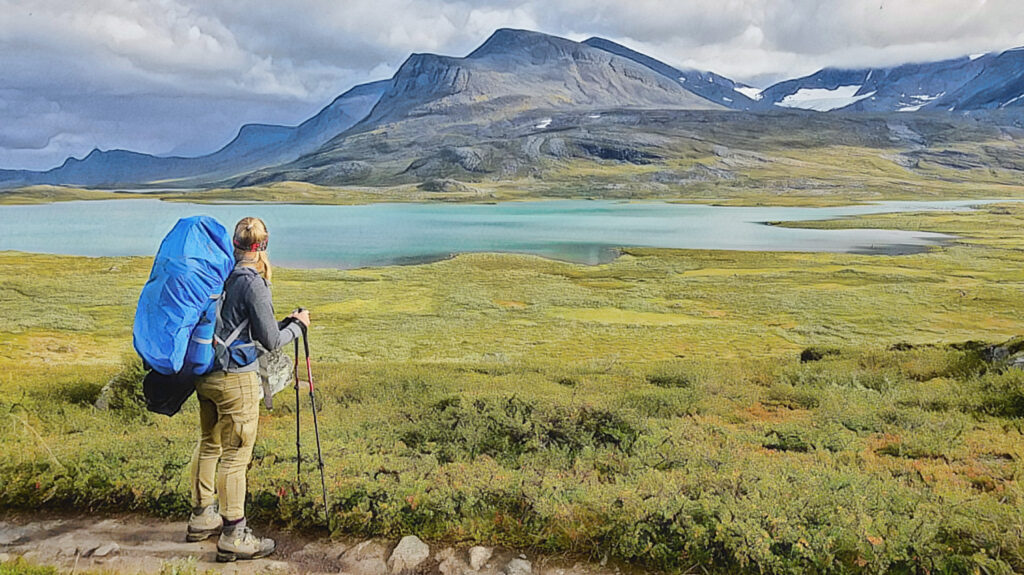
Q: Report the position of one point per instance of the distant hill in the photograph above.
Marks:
(256, 146)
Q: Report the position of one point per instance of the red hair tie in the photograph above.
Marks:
(257, 247)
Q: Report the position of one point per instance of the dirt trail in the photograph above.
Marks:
(135, 544)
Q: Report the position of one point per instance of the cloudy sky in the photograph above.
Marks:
(180, 76)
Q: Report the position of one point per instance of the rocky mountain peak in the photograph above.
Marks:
(539, 47)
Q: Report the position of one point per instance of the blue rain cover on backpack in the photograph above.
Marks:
(188, 273)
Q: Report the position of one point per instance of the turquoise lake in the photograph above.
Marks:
(581, 231)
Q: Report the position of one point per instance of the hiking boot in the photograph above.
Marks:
(240, 543)
(204, 525)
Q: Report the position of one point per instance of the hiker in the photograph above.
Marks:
(229, 399)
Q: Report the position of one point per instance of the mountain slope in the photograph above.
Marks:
(708, 85)
(520, 69)
(516, 78)
(980, 82)
(1000, 84)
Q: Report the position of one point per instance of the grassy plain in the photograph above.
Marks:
(654, 409)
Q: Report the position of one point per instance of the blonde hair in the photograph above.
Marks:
(248, 232)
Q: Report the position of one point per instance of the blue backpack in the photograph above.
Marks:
(177, 313)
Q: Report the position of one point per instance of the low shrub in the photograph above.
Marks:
(804, 437)
(924, 437)
(672, 374)
(661, 403)
(817, 353)
(786, 395)
(1002, 394)
(505, 429)
(123, 393)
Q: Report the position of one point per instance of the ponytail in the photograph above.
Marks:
(250, 241)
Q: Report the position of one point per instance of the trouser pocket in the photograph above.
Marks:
(242, 408)
(243, 434)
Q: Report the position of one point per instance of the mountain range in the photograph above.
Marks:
(971, 83)
(440, 115)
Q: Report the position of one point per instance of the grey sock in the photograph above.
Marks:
(230, 526)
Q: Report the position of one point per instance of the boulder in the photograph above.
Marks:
(10, 534)
(518, 566)
(1006, 352)
(105, 550)
(479, 556)
(319, 552)
(449, 563)
(366, 558)
(408, 555)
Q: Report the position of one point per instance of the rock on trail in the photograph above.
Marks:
(479, 556)
(136, 544)
(408, 555)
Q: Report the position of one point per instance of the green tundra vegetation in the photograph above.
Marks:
(733, 412)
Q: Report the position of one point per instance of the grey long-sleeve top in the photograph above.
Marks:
(247, 296)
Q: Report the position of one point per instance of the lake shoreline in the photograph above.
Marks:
(497, 192)
(383, 234)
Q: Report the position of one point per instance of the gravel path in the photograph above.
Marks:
(136, 544)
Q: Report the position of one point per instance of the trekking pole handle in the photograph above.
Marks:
(291, 319)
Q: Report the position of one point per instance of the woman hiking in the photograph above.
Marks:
(229, 399)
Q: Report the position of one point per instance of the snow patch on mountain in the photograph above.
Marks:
(974, 57)
(749, 91)
(823, 99)
(1008, 102)
(917, 102)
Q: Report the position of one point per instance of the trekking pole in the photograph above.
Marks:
(316, 426)
(298, 444)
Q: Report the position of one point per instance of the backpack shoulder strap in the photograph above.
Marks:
(221, 346)
(234, 334)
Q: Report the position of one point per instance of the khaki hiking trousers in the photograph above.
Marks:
(228, 416)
